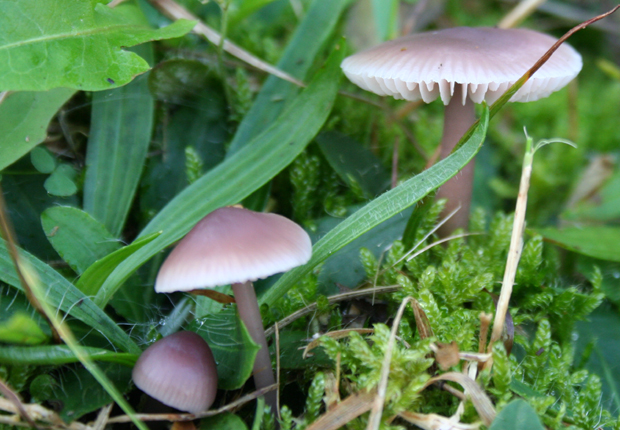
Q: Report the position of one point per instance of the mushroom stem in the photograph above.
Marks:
(249, 312)
(458, 119)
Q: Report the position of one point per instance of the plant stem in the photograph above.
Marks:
(249, 312)
(516, 245)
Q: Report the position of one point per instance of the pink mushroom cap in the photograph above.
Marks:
(233, 245)
(484, 61)
(179, 371)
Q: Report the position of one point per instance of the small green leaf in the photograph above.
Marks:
(23, 121)
(232, 346)
(594, 241)
(42, 160)
(74, 44)
(20, 328)
(517, 415)
(60, 183)
(77, 237)
(94, 277)
(225, 421)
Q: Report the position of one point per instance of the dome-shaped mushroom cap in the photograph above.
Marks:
(232, 245)
(485, 61)
(179, 371)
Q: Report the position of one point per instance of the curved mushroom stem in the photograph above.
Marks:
(458, 190)
(249, 312)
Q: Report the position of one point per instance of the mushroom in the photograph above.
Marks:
(462, 66)
(179, 371)
(232, 245)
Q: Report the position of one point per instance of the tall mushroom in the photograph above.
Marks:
(232, 245)
(179, 371)
(462, 66)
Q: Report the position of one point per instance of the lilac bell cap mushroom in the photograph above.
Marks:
(462, 66)
(232, 245)
(179, 371)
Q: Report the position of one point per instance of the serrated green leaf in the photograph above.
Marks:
(517, 415)
(240, 175)
(73, 44)
(77, 237)
(61, 294)
(47, 355)
(382, 208)
(594, 241)
(232, 346)
(120, 134)
(23, 121)
(94, 277)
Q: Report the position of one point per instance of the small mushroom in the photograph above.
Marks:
(462, 66)
(232, 245)
(179, 371)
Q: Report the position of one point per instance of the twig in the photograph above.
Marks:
(103, 417)
(188, 417)
(176, 11)
(516, 239)
(17, 403)
(331, 299)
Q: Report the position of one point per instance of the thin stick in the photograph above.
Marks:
(516, 245)
(374, 421)
(331, 299)
(189, 417)
(395, 163)
(277, 370)
(176, 11)
(7, 392)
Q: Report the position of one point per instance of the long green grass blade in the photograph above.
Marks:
(299, 56)
(240, 175)
(382, 208)
(120, 134)
(60, 354)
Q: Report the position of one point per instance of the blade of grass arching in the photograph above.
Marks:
(61, 294)
(382, 208)
(240, 175)
(307, 42)
(120, 133)
(54, 355)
